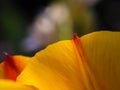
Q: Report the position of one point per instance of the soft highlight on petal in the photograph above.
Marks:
(10, 85)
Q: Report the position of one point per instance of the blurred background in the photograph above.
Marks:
(29, 26)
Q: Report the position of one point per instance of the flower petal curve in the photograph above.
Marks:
(58, 67)
(12, 66)
(10, 85)
(87, 63)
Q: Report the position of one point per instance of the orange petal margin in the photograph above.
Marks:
(14, 65)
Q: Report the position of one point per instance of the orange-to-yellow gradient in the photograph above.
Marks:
(91, 62)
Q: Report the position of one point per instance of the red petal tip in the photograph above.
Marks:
(75, 36)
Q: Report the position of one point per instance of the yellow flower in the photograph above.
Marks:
(91, 62)
(10, 69)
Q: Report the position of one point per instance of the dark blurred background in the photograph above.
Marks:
(17, 15)
(108, 13)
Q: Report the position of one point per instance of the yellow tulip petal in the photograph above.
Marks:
(10, 85)
(102, 52)
(58, 67)
(87, 63)
(12, 66)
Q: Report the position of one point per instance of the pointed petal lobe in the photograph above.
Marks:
(13, 65)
